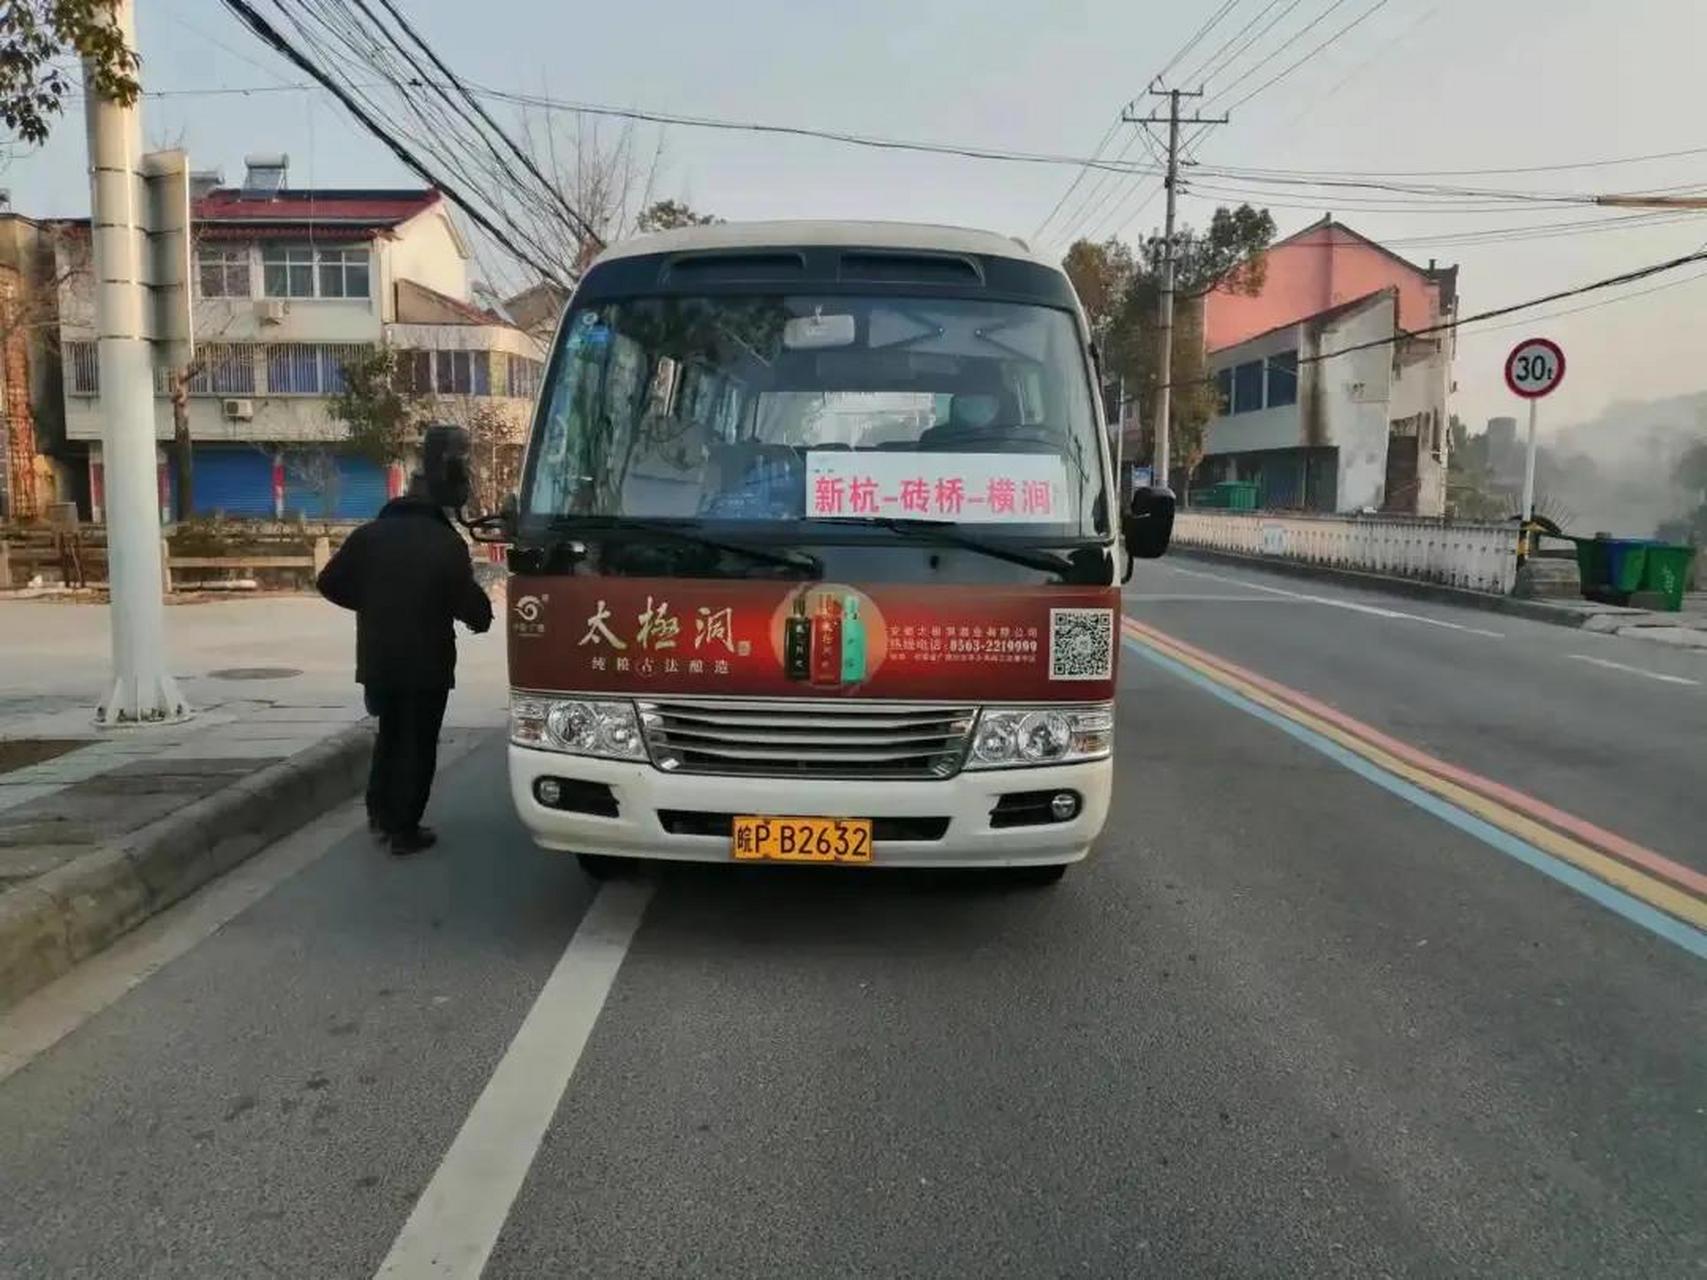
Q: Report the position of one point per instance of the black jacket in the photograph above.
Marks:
(407, 574)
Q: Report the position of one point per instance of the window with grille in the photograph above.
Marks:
(82, 368)
(222, 273)
(225, 369)
(301, 271)
(524, 376)
(309, 368)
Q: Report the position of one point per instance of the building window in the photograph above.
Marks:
(415, 372)
(223, 273)
(343, 273)
(224, 369)
(83, 368)
(524, 377)
(309, 368)
(300, 271)
(462, 373)
(1247, 387)
(1224, 390)
(1282, 379)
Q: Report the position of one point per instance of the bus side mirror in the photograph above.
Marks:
(509, 516)
(1149, 523)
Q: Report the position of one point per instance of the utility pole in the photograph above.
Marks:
(1165, 319)
(142, 690)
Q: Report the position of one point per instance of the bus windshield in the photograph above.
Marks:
(796, 414)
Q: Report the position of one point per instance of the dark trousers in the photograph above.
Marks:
(405, 754)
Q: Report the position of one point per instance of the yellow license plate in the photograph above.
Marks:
(802, 839)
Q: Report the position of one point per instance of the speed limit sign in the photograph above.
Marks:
(1534, 368)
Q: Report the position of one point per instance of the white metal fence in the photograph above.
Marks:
(1477, 557)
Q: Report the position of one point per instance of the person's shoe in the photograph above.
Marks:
(404, 843)
(377, 833)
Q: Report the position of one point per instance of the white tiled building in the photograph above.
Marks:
(290, 284)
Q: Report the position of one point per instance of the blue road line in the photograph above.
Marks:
(1638, 912)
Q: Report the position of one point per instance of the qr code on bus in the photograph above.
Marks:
(1081, 644)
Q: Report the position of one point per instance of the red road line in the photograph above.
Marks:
(1606, 841)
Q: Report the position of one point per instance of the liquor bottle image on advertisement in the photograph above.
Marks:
(853, 641)
(797, 641)
(827, 641)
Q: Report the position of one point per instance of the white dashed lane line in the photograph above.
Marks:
(1634, 671)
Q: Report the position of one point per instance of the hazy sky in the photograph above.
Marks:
(1421, 85)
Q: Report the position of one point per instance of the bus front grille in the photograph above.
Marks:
(806, 739)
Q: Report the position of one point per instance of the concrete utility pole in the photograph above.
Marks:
(1165, 319)
(142, 690)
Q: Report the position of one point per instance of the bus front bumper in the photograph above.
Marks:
(917, 824)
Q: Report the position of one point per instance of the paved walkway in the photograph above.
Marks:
(270, 678)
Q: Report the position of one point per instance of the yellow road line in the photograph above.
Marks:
(1654, 892)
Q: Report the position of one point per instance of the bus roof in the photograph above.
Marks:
(809, 233)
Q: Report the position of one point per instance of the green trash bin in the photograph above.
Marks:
(1626, 562)
(1591, 564)
(1665, 571)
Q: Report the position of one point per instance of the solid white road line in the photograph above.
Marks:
(1374, 611)
(456, 1222)
(1635, 671)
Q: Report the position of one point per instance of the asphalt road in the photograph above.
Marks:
(1286, 1022)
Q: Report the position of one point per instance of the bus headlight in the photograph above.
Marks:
(578, 726)
(1014, 737)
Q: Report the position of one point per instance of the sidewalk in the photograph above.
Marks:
(1685, 630)
(100, 829)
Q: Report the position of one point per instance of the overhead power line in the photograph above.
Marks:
(246, 14)
(1281, 75)
(1102, 179)
(1610, 282)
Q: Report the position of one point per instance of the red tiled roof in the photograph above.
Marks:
(317, 208)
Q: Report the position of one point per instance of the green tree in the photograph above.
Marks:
(1101, 275)
(1230, 255)
(38, 40)
(378, 407)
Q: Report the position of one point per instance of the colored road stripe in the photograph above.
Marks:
(1547, 850)
(1631, 908)
(1686, 878)
(1654, 891)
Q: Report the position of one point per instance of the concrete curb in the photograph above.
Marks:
(1439, 593)
(69, 914)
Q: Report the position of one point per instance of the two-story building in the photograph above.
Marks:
(1327, 402)
(290, 284)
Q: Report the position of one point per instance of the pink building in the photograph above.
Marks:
(1321, 267)
(1355, 432)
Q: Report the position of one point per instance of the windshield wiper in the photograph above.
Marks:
(802, 561)
(946, 533)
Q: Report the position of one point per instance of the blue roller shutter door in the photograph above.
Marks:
(234, 479)
(357, 493)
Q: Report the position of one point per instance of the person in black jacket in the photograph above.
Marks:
(407, 575)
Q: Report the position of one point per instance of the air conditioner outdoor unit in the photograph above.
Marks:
(272, 310)
(239, 410)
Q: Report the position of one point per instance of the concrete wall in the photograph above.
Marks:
(428, 250)
(1352, 392)
(1476, 557)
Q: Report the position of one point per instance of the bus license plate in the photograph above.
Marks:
(802, 839)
